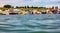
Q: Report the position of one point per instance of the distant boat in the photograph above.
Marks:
(13, 12)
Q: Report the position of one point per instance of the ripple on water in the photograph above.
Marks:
(30, 24)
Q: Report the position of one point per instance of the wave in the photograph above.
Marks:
(30, 24)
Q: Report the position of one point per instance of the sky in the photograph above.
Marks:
(35, 3)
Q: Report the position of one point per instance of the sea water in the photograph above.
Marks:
(44, 23)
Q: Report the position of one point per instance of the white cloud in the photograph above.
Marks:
(54, 0)
(29, 2)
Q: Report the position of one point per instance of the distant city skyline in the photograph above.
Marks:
(35, 3)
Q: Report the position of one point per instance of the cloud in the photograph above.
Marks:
(38, 3)
(54, 0)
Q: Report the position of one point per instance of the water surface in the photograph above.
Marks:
(30, 23)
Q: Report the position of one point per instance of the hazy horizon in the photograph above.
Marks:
(35, 3)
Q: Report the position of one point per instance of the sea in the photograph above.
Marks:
(43, 23)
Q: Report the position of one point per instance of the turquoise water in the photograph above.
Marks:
(30, 23)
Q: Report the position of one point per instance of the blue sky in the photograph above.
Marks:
(38, 3)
